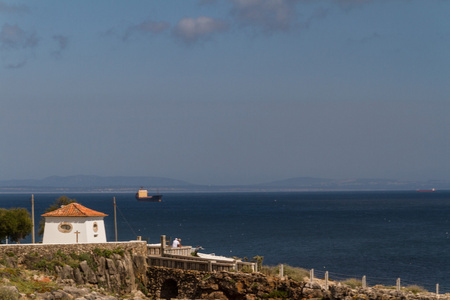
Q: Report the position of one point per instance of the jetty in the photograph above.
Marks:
(185, 258)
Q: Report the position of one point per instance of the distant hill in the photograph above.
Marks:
(90, 181)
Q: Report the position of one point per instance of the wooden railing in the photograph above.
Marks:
(198, 263)
(181, 258)
(156, 250)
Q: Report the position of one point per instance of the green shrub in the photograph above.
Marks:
(247, 269)
(277, 295)
(88, 258)
(47, 265)
(119, 251)
(270, 271)
(294, 273)
(9, 273)
(8, 294)
(353, 282)
(415, 289)
(141, 287)
(103, 252)
(62, 255)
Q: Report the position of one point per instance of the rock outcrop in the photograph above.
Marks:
(115, 273)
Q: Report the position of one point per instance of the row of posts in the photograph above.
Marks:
(363, 281)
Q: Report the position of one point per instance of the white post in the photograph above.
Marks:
(311, 275)
(364, 282)
(398, 285)
(437, 288)
(326, 280)
(163, 244)
(281, 271)
(210, 265)
(115, 218)
(33, 239)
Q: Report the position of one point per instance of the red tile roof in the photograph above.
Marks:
(74, 210)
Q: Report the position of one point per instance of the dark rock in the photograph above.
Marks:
(76, 292)
(78, 277)
(111, 266)
(89, 275)
(66, 272)
(62, 295)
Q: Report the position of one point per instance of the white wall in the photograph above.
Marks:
(84, 225)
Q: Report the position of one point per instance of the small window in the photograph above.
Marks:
(65, 227)
(95, 227)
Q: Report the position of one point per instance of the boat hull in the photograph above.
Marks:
(427, 191)
(153, 198)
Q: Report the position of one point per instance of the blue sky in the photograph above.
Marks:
(226, 91)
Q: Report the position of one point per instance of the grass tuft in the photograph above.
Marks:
(353, 282)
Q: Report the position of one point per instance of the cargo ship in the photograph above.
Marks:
(427, 191)
(142, 195)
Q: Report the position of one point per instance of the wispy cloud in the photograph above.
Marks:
(191, 30)
(16, 65)
(14, 37)
(62, 42)
(16, 44)
(365, 39)
(266, 15)
(7, 8)
(145, 28)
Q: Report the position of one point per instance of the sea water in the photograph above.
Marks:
(383, 235)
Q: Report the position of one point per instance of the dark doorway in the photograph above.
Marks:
(169, 289)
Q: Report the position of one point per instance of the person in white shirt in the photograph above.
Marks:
(175, 243)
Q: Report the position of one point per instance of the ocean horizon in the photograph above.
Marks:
(383, 235)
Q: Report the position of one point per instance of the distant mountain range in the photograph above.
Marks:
(90, 181)
(132, 183)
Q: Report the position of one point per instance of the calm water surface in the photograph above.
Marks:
(383, 235)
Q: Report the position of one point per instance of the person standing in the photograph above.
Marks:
(175, 243)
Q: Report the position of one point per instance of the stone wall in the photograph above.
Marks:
(168, 283)
(117, 267)
(21, 250)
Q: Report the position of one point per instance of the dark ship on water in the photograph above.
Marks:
(142, 195)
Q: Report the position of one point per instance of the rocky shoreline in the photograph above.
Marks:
(84, 272)
(219, 285)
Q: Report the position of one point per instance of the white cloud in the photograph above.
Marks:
(268, 15)
(191, 30)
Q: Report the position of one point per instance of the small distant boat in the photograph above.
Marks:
(142, 195)
(427, 191)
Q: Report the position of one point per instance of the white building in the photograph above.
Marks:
(74, 223)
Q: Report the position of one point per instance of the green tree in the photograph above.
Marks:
(15, 224)
(63, 200)
(259, 261)
(3, 225)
